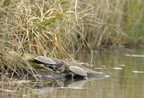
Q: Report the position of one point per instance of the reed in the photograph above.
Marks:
(56, 28)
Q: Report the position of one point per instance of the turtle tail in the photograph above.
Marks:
(29, 60)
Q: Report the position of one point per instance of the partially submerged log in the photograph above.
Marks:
(45, 74)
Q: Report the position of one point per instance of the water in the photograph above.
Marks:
(125, 68)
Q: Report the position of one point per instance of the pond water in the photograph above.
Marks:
(125, 68)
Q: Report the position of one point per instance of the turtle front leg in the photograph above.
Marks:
(54, 68)
(51, 67)
(59, 71)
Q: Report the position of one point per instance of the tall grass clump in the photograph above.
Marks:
(56, 27)
(120, 23)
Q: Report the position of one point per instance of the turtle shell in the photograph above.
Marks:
(45, 60)
(78, 70)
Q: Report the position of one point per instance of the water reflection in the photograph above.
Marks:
(44, 88)
(42, 91)
(77, 84)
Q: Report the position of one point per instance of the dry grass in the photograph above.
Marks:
(56, 27)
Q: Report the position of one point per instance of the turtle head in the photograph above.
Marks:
(56, 66)
(66, 68)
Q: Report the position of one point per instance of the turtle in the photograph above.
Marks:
(76, 70)
(46, 61)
